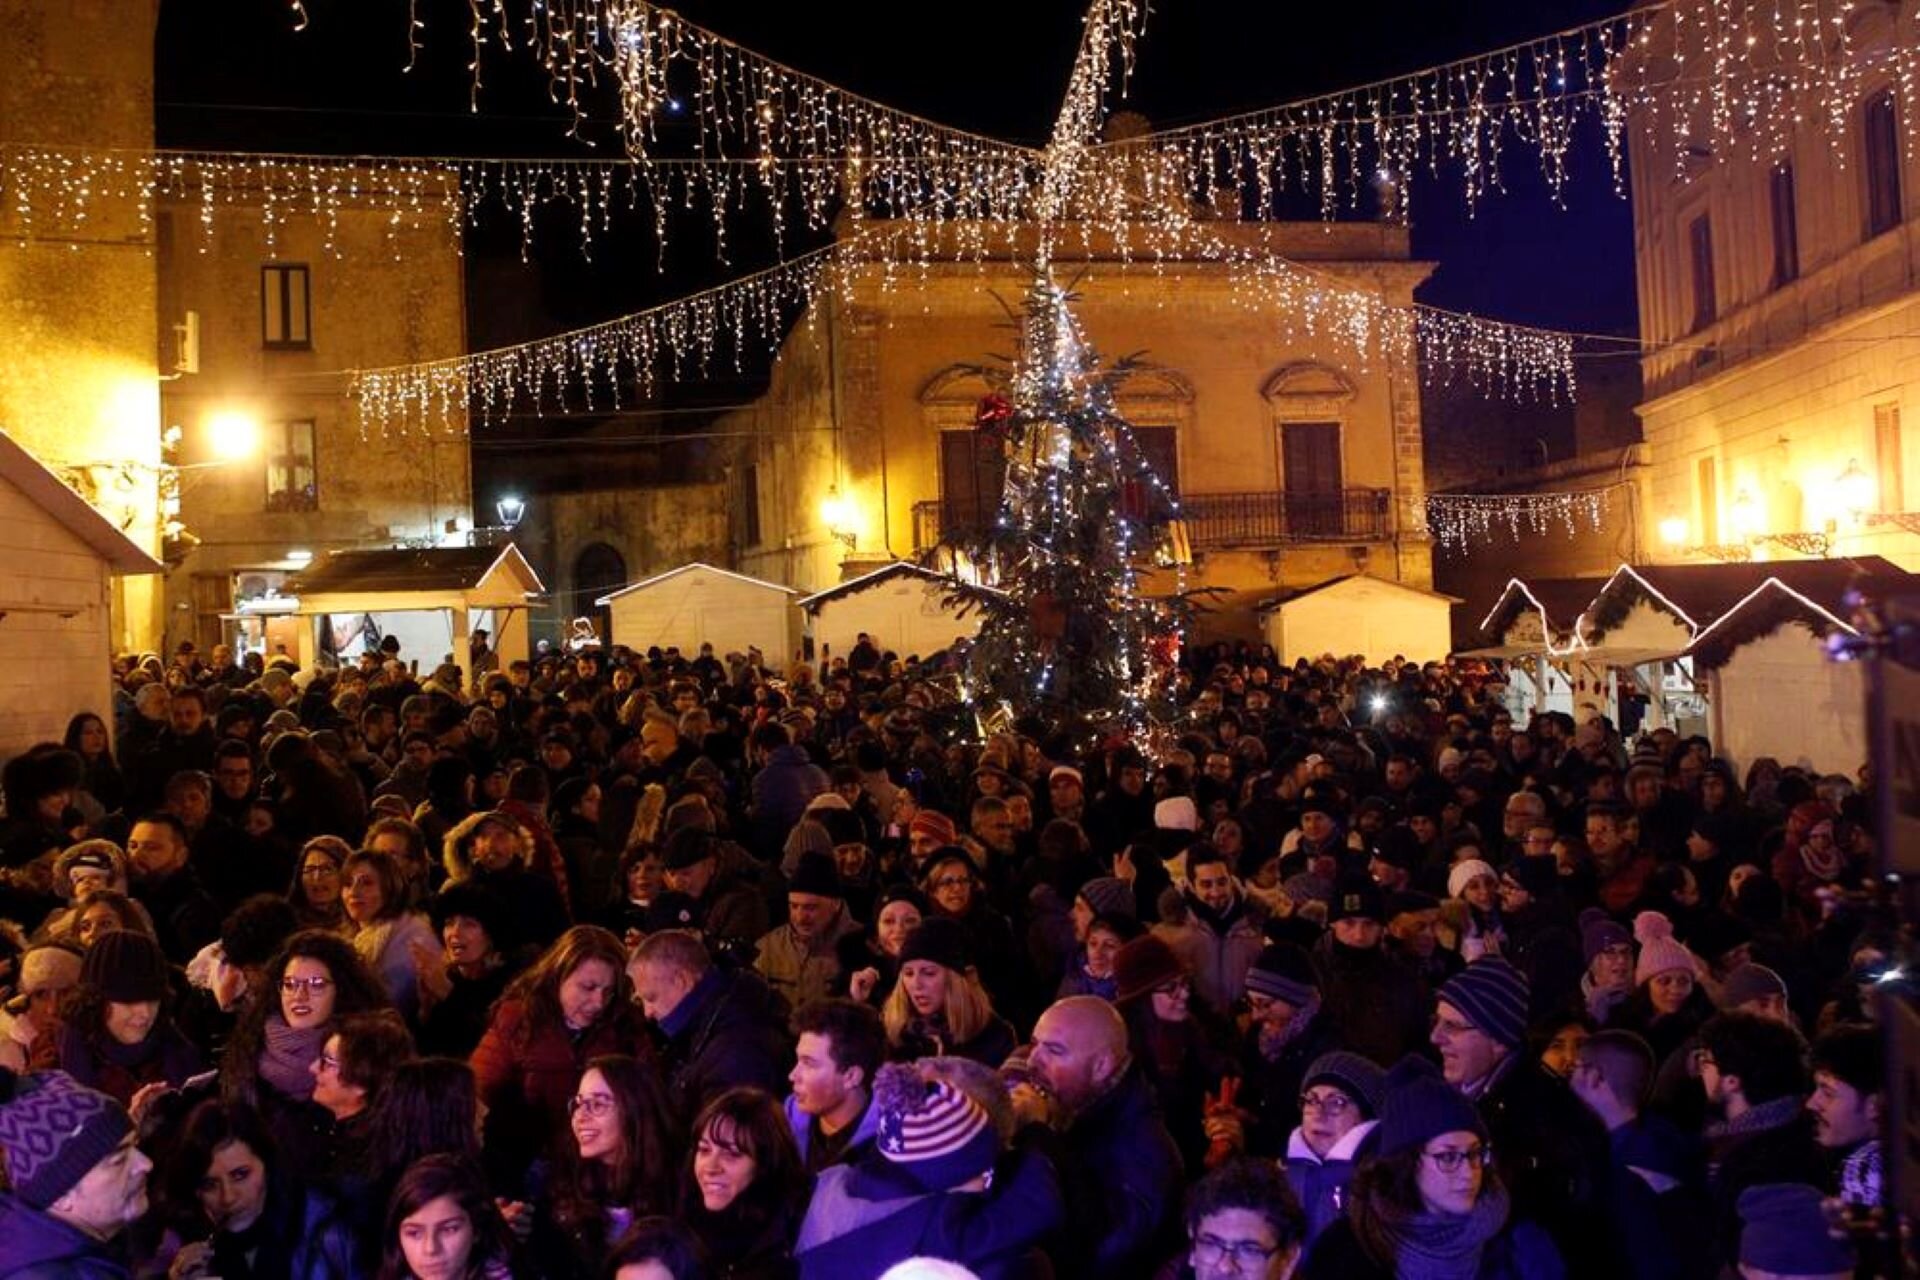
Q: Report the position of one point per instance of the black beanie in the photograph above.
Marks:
(940, 940)
(125, 967)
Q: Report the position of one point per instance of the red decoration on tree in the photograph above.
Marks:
(993, 415)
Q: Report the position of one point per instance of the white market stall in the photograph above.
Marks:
(1531, 627)
(902, 606)
(1362, 614)
(431, 599)
(1771, 688)
(58, 559)
(699, 604)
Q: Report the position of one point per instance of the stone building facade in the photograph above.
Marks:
(280, 316)
(1780, 299)
(1295, 461)
(79, 310)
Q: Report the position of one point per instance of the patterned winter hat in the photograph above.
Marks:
(54, 1130)
(1109, 895)
(930, 1131)
(1492, 995)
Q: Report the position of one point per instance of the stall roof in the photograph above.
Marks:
(71, 511)
(1288, 597)
(1557, 600)
(1700, 594)
(1775, 603)
(407, 569)
(688, 568)
(896, 569)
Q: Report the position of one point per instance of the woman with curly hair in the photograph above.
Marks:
(615, 1167)
(573, 1005)
(98, 911)
(315, 980)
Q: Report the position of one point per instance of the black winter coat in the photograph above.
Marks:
(1553, 1154)
(1121, 1174)
(735, 1033)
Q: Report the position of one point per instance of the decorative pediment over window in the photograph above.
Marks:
(1151, 393)
(959, 384)
(1309, 391)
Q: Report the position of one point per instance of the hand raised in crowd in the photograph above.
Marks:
(430, 967)
(860, 986)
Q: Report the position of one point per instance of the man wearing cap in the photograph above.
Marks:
(1379, 1007)
(1066, 793)
(76, 1181)
(1552, 1152)
(800, 960)
(46, 974)
(1125, 808)
(1412, 938)
(934, 1184)
(725, 910)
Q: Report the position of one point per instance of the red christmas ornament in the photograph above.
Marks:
(993, 415)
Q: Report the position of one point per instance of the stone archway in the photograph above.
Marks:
(598, 569)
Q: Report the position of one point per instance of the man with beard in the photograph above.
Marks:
(1120, 1167)
(1754, 1070)
(185, 917)
(1222, 934)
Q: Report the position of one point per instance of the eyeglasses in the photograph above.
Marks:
(320, 871)
(328, 1062)
(1179, 986)
(598, 1106)
(312, 986)
(1699, 1060)
(1246, 1255)
(1327, 1104)
(951, 882)
(1453, 1159)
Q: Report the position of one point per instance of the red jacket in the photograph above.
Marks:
(526, 1074)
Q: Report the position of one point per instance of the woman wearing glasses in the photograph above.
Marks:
(317, 882)
(614, 1167)
(314, 981)
(938, 1007)
(1339, 1103)
(574, 1005)
(1179, 1053)
(1427, 1204)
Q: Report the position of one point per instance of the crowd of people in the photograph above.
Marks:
(656, 965)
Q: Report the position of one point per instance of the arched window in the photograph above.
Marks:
(597, 570)
(1310, 404)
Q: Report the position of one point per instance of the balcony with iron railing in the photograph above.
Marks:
(1224, 521)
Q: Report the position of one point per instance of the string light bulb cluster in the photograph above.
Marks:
(1457, 521)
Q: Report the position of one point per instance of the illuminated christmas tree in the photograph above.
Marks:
(1067, 635)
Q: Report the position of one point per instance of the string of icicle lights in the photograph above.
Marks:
(59, 191)
(587, 369)
(1723, 78)
(1457, 521)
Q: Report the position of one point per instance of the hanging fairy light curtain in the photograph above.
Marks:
(584, 370)
(1457, 521)
(1708, 79)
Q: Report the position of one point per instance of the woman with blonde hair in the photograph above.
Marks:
(938, 1007)
(575, 1004)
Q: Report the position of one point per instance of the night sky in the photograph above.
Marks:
(239, 77)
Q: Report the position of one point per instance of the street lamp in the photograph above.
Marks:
(232, 435)
(510, 509)
(837, 514)
(1673, 531)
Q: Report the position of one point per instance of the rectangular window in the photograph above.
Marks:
(1889, 466)
(292, 482)
(1786, 235)
(973, 473)
(286, 309)
(1881, 143)
(1700, 256)
(1159, 449)
(750, 506)
(1709, 484)
(1310, 463)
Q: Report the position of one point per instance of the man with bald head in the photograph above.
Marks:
(1121, 1168)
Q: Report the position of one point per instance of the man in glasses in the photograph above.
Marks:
(1243, 1222)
